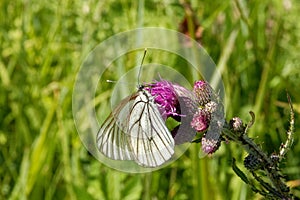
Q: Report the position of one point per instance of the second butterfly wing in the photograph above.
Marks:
(136, 131)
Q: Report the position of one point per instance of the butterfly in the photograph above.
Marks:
(135, 130)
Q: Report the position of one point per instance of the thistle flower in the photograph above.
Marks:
(200, 121)
(210, 144)
(197, 111)
(210, 116)
(165, 96)
(177, 102)
(236, 124)
(203, 92)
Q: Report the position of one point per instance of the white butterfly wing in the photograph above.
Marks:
(112, 142)
(154, 144)
(136, 131)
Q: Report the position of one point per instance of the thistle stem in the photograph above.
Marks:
(280, 188)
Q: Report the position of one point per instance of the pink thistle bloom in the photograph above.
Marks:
(210, 144)
(209, 118)
(165, 96)
(177, 102)
(197, 111)
(200, 121)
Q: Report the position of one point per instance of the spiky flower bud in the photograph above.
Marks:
(236, 124)
(210, 116)
(252, 162)
(210, 144)
(200, 121)
(203, 92)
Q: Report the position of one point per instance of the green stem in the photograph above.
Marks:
(204, 182)
(147, 186)
(196, 173)
(200, 175)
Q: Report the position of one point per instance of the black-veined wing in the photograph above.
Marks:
(136, 131)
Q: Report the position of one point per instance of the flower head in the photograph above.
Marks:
(209, 117)
(165, 96)
(203, 92)
(200, 121)
(197, 111)
(236, 124)
(177, 102)
(210, 144)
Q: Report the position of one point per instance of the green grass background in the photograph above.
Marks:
(255, 44)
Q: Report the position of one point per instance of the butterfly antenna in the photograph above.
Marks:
(140, 69)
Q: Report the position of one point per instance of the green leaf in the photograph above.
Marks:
(239, 172)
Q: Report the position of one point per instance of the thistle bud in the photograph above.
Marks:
(203, 92)
(236, 124)
(210, 143)
(252, 162)
(201, 120)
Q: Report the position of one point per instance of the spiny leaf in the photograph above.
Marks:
(239, 172)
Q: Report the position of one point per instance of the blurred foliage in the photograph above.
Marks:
(255, 44)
